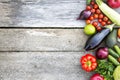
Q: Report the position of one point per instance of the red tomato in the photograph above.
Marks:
(98, 11)
(88, 21)
(103, 23)
(100, 16)
(95, 6)
(109, 22)
(99, 20)
(91, 17)
(88, 8)
(95, 23)
(95, 16)
(93, 10)
(105, 18)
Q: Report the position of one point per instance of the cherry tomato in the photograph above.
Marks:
(98, 11)
(95, 16)
(100, 16)
(98, 28)
(93, 10)
(91, 17)
(95, 6)
(105, 18)
(95, 23)
(103, 23)
(88, 8)
(92, 3)
(88, 21)
(99, 20)
(109, 22)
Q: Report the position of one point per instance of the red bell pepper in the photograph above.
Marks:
(88, 62)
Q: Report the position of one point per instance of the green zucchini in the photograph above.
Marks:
(113, 60)
(109, 12)
(113, 53)
(111, 39)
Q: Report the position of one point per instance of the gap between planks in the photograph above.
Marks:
(41, 27)
(41, 51)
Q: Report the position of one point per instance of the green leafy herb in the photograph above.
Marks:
(106, 69)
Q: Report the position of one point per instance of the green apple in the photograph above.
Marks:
(89, 29)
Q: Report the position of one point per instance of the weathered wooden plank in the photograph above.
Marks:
(42, 66)
(42, 39)
(41, 13)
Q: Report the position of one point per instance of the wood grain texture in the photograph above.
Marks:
(42, 39)
(41, 66)
(41, 13)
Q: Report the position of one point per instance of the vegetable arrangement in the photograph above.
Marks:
(100, 21)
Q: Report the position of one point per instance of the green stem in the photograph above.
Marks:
(89, 63)
(110, 26)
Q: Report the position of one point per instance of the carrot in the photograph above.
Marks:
(119, 32)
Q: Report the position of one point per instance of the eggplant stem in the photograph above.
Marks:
(110, 26)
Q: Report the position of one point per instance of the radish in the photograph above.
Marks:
(114, 3)
(97, 77)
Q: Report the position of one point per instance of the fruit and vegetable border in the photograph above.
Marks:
(101, 22)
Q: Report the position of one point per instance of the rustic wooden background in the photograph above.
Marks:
(29, 51)
(41, 13)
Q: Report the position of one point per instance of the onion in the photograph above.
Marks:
(85, 14)
(102, 53)
(97, 77)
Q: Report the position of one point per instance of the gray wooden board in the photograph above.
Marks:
(42, 39)
(42, 66)
(41, 13)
